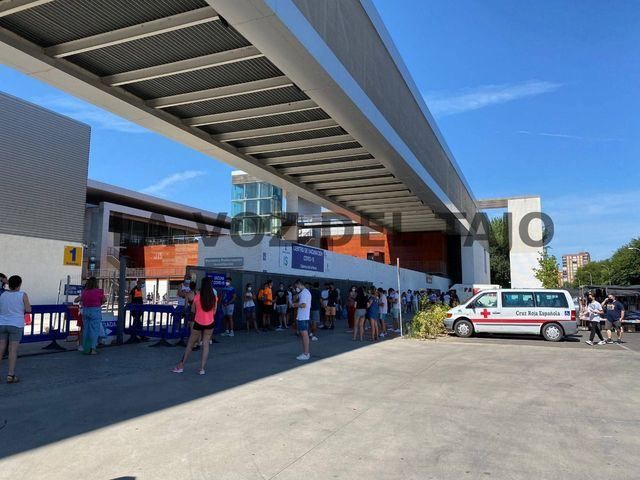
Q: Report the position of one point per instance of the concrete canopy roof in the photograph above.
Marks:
(254, 85)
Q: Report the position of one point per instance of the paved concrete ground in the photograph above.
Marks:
(483, 408)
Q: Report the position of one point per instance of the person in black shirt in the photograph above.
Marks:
(281, 301)
(362, 301)
(614, 311)
(332, 303)
(315, 309)
(136, 297)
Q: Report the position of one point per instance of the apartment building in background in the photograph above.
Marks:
(570, 264)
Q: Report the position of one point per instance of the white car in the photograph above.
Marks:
(537, 311)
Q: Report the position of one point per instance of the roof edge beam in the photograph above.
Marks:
(15, 6)
(182, 66)
(250, 113)
(305, 157)
(279, 130)
(356, 182)
(337, 166)
(134, 32)
(293, 145)
(322, 177)
(220, 92)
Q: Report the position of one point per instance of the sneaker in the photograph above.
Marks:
(303, 357)
(231, 334)
(609, 341)
(382, 335)
(177, 370)
(201, 372)
(225, 333)
(314, 338)
(80, 348)
(602, 342)
(589, 342)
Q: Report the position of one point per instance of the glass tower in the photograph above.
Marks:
(256, 206)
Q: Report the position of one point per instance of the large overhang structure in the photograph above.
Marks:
(306, 94)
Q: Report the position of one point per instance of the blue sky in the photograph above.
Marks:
(531, 97)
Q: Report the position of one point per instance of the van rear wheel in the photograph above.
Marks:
(552, 332)
(463, 328)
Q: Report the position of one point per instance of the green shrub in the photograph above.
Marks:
(428, 323)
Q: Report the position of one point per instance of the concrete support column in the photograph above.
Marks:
(291, 209)
(475, 262)
(525, 240)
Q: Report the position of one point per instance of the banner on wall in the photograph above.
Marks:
(218, 279)
(307, 258)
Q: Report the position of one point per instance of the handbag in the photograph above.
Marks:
(27, 319)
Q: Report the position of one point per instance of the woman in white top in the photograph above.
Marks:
(249, 307)
(14, 304)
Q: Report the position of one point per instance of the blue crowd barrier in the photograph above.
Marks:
(154, 321)
(48, 323)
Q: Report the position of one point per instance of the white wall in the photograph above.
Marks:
(523, 257)
(275, 256)
(39, 262)
(475, 263)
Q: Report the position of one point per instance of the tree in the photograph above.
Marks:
(499, 252)
(593, 273)
(625, 264)
(547, 272)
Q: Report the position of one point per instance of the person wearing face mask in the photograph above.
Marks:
(595, 311)
(351, 308)
(303, 306)
(249, 306)
(315, 309)
(282, 303)
(228, 306)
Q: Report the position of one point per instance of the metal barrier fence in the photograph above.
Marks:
(154, 321)
(48, 323)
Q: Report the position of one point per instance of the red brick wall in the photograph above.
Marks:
(422, 251)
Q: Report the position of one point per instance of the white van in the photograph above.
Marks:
(537, 311)
(467, 290)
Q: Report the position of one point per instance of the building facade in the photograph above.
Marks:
(571, 263)
(256, 206)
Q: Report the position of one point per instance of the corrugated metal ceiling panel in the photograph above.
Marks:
(290, 137)
(65, 20)
(324, 148)
(230, 74)
(263, 122)
(239, 102)
(203, 39)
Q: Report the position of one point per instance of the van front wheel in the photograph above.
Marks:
(552, 332)
(463, 328)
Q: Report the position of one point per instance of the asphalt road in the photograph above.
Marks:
(480, 408)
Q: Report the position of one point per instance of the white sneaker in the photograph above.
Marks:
(303, 357)
(80, 348)
(314, 338)
(382, 335)
(231, 334)
(589, 342)
(602, 342)
(225, 334)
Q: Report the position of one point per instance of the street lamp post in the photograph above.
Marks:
(634, 248)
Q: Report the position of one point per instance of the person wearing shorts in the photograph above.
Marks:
(203, 309)
(265, 296)
(384, 310)
(249, 306)
(228, 306)
(282, 305)
(360, 314)
(14, 305)
(314, 314)
(303, 314)
(614, 315)
(330, 309)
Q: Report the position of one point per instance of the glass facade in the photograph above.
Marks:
(256, 207)
(130, 232)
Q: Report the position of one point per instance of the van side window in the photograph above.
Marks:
(488, 300)
(551, 300)
(517, 300)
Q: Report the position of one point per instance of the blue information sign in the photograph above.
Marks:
(218, 279)
(72, 289)
(307, 258)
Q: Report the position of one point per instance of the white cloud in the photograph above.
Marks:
(159, 188)
(466, 100)
(565, 135)
(87, 113)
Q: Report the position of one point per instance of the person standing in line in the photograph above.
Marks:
(136, 297)
(14, 305)
(282, 304)
(229, 298)
(332, 304)
(583, 313)
(403, 299)
(324, 295)
(91, 300)
(373, 312)
(394, 305)
(384, 310)
(314, 314)
(595, 311)
(303, 306)
(266, 298)
(351, 308)
(409, 301)
(249, 307)
(614, 311)
(446, 299)
(360, 314)
(203, 309)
